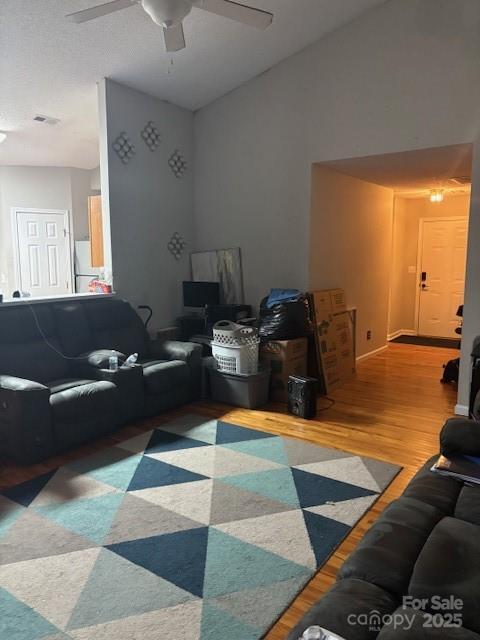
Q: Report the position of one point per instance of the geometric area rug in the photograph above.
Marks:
(196, 530)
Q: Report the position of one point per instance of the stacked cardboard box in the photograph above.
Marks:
(333, 338)
(285, 358)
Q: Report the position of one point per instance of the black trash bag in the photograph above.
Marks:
(451, 371)
(285, 320)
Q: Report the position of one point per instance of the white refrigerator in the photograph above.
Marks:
(84, 272)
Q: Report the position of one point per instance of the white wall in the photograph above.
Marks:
(40, 188)
(146, 203)
(404, 76)
(95, 179)
(350, 247)
(407, 214)
(80, 184)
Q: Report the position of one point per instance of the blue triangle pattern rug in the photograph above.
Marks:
(195, 530)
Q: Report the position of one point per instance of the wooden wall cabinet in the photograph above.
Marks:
(95, 224)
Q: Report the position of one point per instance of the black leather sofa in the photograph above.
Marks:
(56, 390)
(416, 572)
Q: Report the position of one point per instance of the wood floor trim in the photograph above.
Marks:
(370, 354)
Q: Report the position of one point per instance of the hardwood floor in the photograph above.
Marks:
(393, 410)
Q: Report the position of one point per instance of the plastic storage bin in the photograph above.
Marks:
(235, 347)
(248, 391)
(231, 359)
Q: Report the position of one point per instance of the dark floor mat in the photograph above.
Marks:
(445, 343)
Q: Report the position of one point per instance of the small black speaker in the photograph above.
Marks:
(302, 396)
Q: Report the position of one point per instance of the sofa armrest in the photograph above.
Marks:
(95, 364)
(26, 432)
(99, 358)
(460, 436)
(189, 352)
(13, 384)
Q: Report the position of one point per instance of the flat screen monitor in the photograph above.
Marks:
(200, 294)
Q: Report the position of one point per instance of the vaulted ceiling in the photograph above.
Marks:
(50, 66)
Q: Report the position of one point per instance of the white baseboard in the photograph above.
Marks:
(461, 410)
(401, 332)
(371, 353)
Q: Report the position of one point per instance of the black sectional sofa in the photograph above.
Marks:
(416, 572)
(56, 389)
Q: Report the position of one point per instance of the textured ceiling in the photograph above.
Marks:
(50, 66)
(411, 171)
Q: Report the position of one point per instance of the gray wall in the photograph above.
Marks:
(146, 202)
(351, 94)
(404, 76)
(81, 186)
(350, 248)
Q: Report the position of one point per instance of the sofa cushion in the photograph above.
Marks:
(74, 398)
(387, 553)
(19, 322)
(115, 325)
(164, 375)
(449, 565)
(407, 623)
(468, 504)
(82, 410)
(29, 347)
(57, 386)
(439, 491)
(72, 327)
(344, 608)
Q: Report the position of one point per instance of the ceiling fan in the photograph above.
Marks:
(169, 14)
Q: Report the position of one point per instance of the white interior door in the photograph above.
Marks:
(443, 249)
(43, 252)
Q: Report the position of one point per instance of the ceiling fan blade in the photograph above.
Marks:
(174, 38)
(100, 10)
(235, 11)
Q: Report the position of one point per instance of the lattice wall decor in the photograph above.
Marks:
(151, 136)
(177, 164)
(176, 245)
(124, 148)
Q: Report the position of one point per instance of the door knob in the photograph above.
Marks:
(424, 286)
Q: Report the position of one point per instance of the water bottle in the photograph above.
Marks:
(131, 360)
(113, 363)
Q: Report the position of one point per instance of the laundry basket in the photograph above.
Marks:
(235, 347)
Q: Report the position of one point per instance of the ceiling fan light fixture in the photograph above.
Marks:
(170, 14)
(167, 13)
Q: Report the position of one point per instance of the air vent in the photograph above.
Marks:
(46, 119)
(459, 180)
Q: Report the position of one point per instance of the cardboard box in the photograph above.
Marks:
(335, 349)
(329, 301)
(345, 347)
(285, 358)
